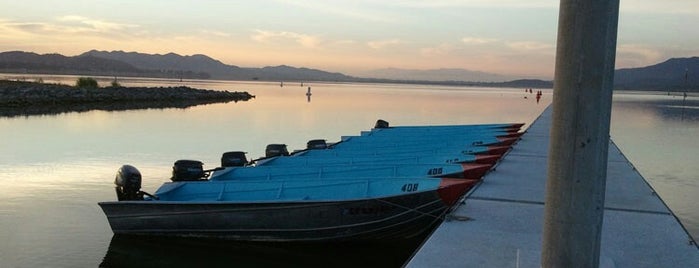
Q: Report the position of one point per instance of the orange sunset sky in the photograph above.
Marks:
(509, 37)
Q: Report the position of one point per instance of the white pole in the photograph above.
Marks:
(574, 209)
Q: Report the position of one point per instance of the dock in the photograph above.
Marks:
(500, 221)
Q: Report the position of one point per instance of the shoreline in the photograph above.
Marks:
(33, 98)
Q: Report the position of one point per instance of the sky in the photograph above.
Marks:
(508, 37)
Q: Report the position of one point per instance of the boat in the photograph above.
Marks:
(408, 151)
(288, 211)
(364, 187)
(374, 144)
(382, 124)
(329, 172)
(300, 160)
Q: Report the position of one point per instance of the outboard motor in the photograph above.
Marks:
(233, 159)
(128, 183)
(316, 144)
(273, 150)
(381, 124)
(188, 170)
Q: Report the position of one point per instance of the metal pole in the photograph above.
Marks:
(585, 55)
(686, 87)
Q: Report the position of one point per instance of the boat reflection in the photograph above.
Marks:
(141, 251)
(308, 94)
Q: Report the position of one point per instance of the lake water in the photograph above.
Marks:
(55, 168)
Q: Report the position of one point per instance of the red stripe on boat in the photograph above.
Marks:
(475, 171)
(507, 141)
(451, 190)
(497, 150)
(486, 159)
(503, 140)
(511, 135)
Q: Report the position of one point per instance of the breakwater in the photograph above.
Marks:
(29, 98)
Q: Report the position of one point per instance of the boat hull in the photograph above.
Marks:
(403, 216)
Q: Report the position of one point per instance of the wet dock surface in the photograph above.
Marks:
(500, 223)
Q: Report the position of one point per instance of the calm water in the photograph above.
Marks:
(55, 168)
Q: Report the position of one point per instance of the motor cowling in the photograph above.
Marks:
(128, 183)
(273, 150)
(188, 170)
(233, 159)
(381, 124)
(316, 144)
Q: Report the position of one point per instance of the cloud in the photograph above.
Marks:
(478, 4)
(364, 11)
(380, 44)
(441, 49)
(635, 55)
(27, 28)
(530, 46)
(477, 40)
(635, 6)
(71, 35)
(639, 51)
(87, 24)
(14, 31)
(660, 7)
(304, 40)
(215, 33)
(67, 25)
(344, 42)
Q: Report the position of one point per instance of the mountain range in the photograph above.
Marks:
(677, 74)
(171, 65)
(668, 75)
(443, 74)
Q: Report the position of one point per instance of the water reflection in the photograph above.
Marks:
(137, 251)
(658, 135)
(672, 108)
(52, 109)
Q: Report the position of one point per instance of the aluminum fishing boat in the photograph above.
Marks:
(295, 210)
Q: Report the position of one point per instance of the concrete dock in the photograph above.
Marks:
(500, 223)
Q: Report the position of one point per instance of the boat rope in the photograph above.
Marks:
(440, 216)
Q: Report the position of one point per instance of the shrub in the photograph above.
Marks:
(86, 82)
(115, 83)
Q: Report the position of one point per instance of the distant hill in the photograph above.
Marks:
(170, 65)
(288, 73)
(170, 62)
(19, 60)
(85, 64)
(436, 75)
(668, 75)
(216, 69)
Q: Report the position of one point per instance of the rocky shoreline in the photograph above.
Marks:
(27, 98)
